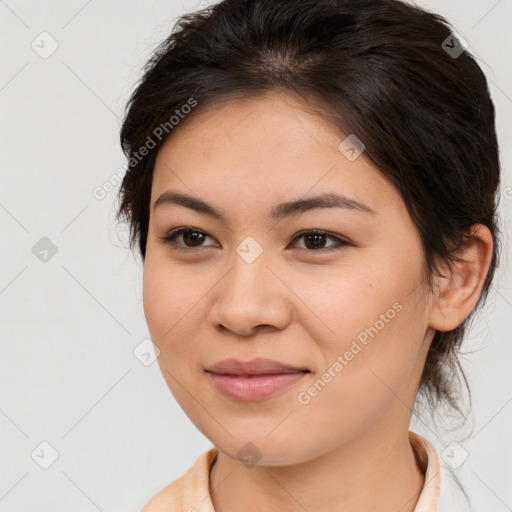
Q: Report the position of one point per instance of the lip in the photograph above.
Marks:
(253, 380)
(257, 366)
(255, 387)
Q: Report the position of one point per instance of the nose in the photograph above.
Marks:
(251, 297)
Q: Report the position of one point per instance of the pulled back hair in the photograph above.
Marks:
(378, 69)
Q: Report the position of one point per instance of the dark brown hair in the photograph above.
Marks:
(388, 72)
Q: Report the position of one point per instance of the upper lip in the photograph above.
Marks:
(258, 366)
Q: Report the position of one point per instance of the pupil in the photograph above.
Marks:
(197, 238)
(316, 237)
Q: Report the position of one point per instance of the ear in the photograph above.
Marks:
(456, 294)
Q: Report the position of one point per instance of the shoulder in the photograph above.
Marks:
(165, 498)
(186, 490)
(452, 494)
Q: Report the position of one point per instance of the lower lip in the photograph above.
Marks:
(256, 387)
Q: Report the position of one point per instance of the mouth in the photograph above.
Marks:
(254, 367)
(253, 387)
(256, 379)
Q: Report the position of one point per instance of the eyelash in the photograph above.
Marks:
(172, 235)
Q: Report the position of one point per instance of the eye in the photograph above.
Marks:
(194, 237)
(317, 237)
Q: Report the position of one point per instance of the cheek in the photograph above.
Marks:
(374, 319)
(363, 380)
(157, 300)
(171, 301)
(351, 300)
(172, 307)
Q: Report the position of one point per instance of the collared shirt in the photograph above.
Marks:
(191, 492)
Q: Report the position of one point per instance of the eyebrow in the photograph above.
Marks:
(278, 212)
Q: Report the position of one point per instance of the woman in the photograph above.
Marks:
(312, 187)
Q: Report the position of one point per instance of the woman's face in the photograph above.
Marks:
(354, 314)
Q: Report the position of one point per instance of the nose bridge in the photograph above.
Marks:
(249, 272)
(250, 294)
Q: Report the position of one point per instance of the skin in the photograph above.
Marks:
(300, 307)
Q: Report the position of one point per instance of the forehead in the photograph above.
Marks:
(264, 150)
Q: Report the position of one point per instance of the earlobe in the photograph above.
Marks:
(456, 294)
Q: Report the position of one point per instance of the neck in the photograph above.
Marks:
(376, 471)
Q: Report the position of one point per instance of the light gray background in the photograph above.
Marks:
(69, 326)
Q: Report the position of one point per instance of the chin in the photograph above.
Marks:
(255, 451)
